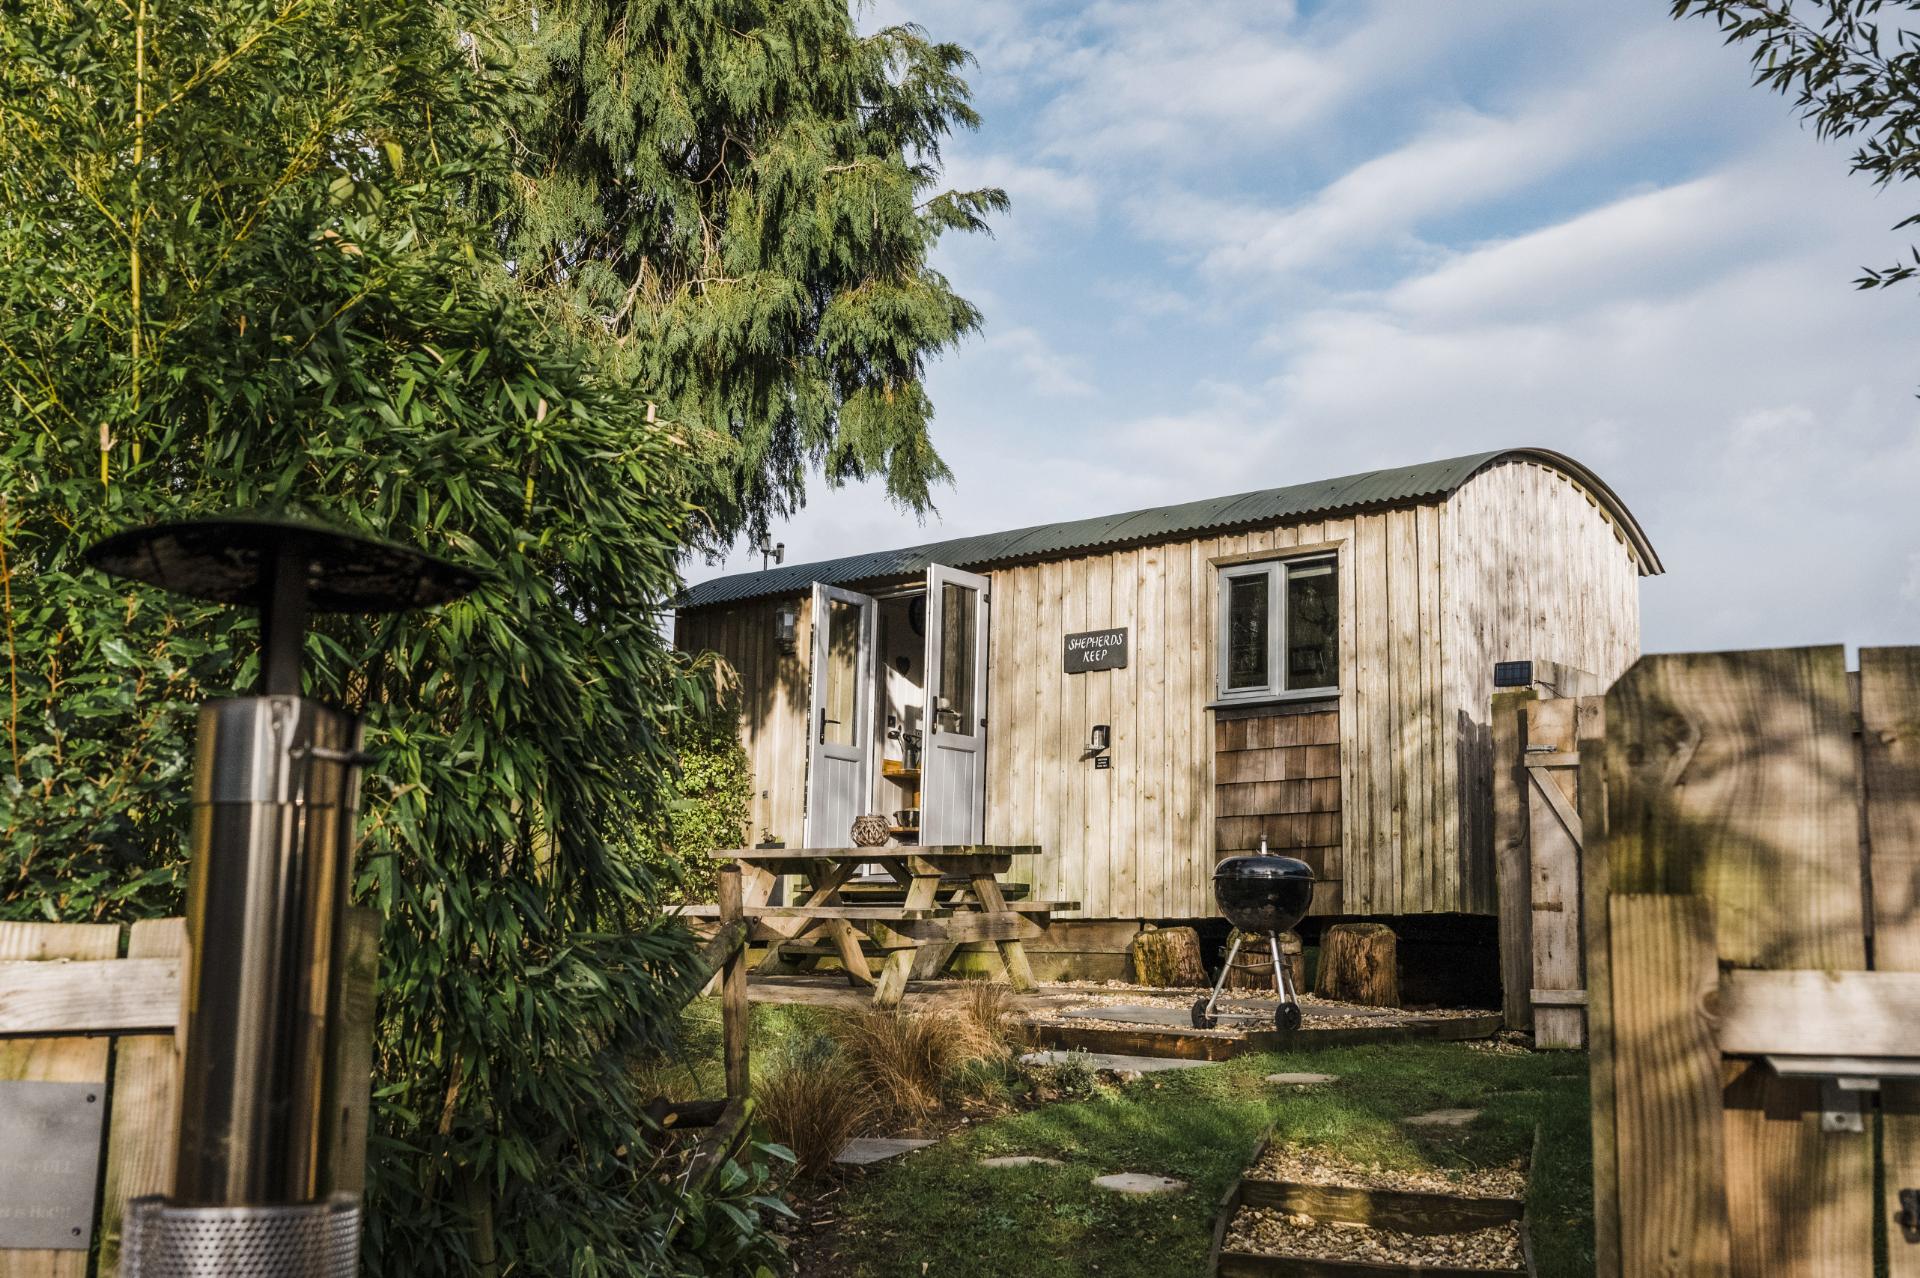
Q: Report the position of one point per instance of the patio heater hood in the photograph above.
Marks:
(258, 1186)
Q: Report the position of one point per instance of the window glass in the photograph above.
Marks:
(843, 664)
(957, 645)
(1313, 626)
(1248, 622)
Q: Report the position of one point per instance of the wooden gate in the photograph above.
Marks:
(1753, 834)
(1538, 834)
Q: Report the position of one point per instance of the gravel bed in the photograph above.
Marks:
(1272, 1232)
(1321, 1167)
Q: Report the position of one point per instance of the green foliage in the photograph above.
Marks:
(1851, 69)
(735, 199)
(712, 796)
(242, 265)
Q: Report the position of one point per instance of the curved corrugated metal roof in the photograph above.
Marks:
(1397, 486)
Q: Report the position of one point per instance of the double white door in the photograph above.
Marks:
(844, 711)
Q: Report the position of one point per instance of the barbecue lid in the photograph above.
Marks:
(1267, 867)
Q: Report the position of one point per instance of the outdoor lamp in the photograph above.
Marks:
(786, 627)
(1099, 739)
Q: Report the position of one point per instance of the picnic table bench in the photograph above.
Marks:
(950, 895)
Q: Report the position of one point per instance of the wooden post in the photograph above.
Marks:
(734, 1008)
(1670, 1121)
(1596, 889)
(1514, 896)
(146, 1100)
(1890, 759)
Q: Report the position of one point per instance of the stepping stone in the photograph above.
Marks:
(1114, 1061)
(1021, 1160)
(1443, 1118)
(864, 1150)
(1301, 1080)
(1139, 1183)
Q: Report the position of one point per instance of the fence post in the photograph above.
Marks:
(733, 986)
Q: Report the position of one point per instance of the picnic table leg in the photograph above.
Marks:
(1012, 953)
(922, 893)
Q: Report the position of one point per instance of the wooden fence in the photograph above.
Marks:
(1752, 859)
(74, 1010)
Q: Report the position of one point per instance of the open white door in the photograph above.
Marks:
(840, 718)
(953, 779)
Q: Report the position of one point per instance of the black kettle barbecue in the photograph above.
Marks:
(1260, 894)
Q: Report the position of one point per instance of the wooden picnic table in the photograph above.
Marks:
(952, 895)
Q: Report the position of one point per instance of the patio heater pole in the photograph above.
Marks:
(257, 1191)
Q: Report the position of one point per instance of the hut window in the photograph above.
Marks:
(1279, 628)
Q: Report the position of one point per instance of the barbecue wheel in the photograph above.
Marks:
(1203, 1019)
(1286, 1016)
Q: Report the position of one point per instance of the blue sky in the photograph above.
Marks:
(1255, 243)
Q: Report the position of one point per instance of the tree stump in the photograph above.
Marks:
(1358, 964)
(1168, 958)
(1253, 970)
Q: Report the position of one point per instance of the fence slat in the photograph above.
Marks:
(1890, 758)
(1595, 885)
(146, 1084)
(54, 1060)
(94, 997)
(1671, 1141)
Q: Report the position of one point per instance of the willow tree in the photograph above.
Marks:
(736, 200)
(243, 264)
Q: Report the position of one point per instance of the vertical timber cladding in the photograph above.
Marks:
(1276, 775)
(768, 686)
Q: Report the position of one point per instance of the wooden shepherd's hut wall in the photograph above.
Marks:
(771, 688)
(1518, 562)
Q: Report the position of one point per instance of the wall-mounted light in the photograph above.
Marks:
(1099, 739)
(786, 627)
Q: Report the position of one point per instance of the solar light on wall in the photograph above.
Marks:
(786, 627)
(1513, 674)
(1099, 739)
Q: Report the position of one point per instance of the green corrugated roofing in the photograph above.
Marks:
(1398, 486)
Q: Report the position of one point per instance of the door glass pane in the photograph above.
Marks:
(958, 615)
(1247, 622)
(1313, 626)
(843, 664)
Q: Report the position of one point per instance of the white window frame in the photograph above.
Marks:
(1278, 621)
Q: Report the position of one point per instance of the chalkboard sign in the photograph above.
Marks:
(1096, 650)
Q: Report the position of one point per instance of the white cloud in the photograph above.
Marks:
(1044, 370)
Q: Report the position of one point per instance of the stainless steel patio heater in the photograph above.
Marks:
(258, 1189)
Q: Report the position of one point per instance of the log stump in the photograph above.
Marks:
(1253, 970)
(1168, 957)
(1359, 964)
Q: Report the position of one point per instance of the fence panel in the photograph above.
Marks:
(1732, 790)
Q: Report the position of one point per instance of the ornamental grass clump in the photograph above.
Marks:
(811, 1100)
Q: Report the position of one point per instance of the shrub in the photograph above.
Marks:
(811, 1100)
(706, 808)
(904, 1059)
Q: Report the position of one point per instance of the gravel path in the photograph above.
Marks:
(1321, 1167)
(1269, 1231)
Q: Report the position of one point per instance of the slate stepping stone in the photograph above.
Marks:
(1139, 1183)
(862, 1151)
(1444, 1118)
(1021, 1160)
(1301, 1080)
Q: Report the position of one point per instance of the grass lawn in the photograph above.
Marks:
(939, 1213)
